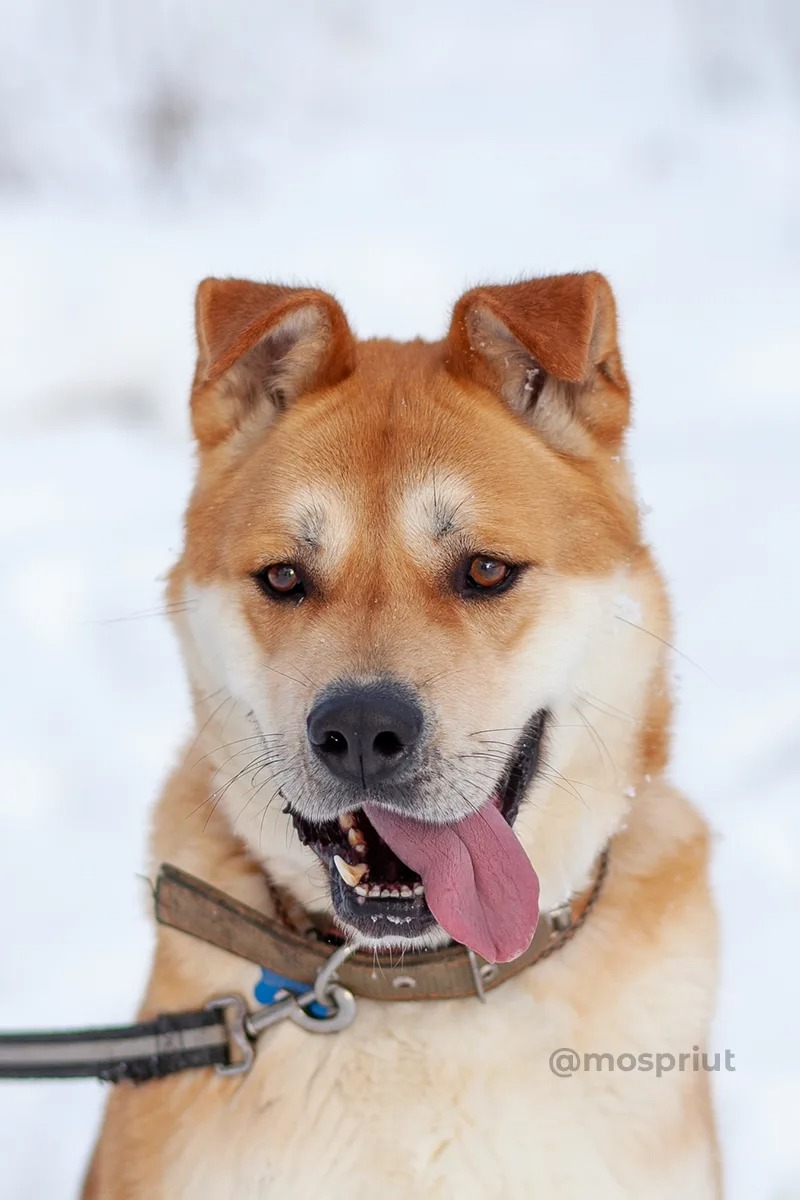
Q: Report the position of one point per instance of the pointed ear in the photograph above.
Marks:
(549, 348)
(260, 346)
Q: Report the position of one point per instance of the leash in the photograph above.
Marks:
(137, 1053)
(224, 1033)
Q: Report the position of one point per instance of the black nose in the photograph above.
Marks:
(364, 733)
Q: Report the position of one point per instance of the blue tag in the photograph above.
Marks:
(270, 984)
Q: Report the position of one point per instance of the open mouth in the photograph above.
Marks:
(394, 880)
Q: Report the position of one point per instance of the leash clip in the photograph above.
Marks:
(244, 1028)
(234, 1011)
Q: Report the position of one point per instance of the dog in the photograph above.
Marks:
(428, 654)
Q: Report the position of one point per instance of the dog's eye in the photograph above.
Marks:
(281, 581)
(486, 575)
(487, 572)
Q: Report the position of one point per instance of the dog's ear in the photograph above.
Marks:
(260, 346)
(549, 348)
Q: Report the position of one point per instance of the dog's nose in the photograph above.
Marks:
(364, 733)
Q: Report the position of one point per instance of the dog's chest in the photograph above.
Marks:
(430, 1101)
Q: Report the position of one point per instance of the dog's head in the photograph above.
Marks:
(401, 569)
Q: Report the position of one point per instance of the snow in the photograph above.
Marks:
(395, 155)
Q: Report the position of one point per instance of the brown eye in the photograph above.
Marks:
(487, 574)
(281, 581)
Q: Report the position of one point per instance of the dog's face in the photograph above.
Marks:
(398, 560)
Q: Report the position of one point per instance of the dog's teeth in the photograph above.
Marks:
(374, 892)
(419, 890)
(362, 891)
(347, 821)
(406, 892)
(351, 875)
(356, 839)
(387, 892)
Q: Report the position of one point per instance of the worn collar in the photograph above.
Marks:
(194, 907)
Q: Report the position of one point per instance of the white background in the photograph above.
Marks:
(395, 154)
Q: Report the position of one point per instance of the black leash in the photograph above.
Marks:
(137, 1053)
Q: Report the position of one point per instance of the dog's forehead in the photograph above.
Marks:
(428, 507)
(403, 452)
(407, 463)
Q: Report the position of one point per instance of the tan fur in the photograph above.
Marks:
(392, 458)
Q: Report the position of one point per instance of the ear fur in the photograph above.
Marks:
(260, 346)
(548, 347)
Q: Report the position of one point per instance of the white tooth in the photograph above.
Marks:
(419, 890)
(374, 891)
(405, 891)
(387, 892)
(362, 891)
(351, 875)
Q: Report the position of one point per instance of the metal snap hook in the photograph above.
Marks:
(244, 1028)
(234, 1011)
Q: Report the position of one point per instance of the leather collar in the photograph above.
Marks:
(194, 907)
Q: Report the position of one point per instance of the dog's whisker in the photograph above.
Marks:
(216, 796)
(443, 675)
(499, 729)
(226, 700)
(225, 746)
(300, 671)
(169, 610)
(555, 778)
(664, 642)
(283, 674)
(603, 707)
(602, 748)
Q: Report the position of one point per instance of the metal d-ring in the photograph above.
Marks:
(340, 999)
(326, 975)
(339, 1003)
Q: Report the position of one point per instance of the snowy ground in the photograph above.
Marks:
(395, 159)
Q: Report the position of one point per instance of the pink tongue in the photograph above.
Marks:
(479, 882)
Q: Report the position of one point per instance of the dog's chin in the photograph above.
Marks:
(387, 921)
(377, 900)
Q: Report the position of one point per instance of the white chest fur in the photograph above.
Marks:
(443, 1100)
